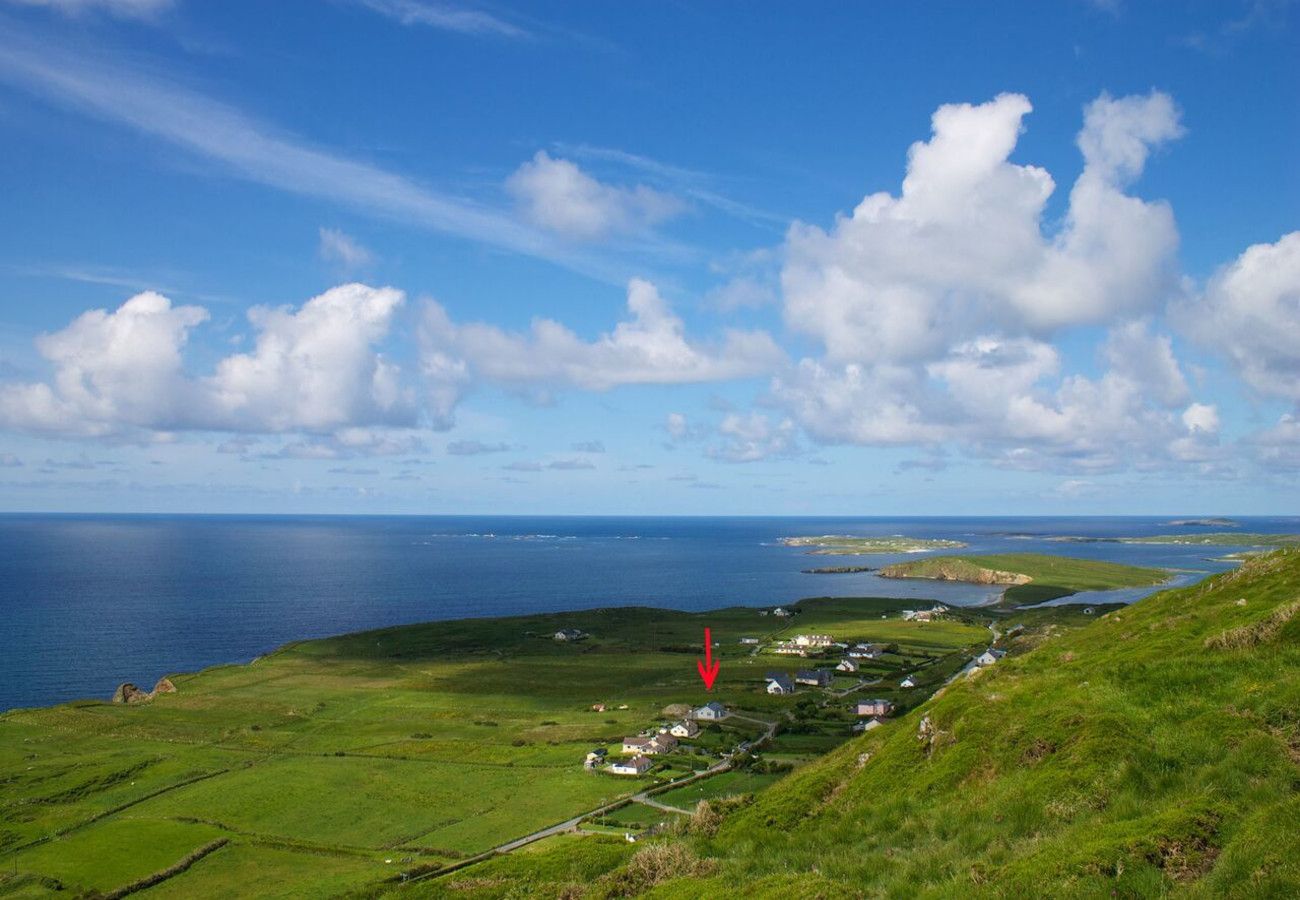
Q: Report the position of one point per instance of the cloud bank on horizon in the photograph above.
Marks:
(978, 311)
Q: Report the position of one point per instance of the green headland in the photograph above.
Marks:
(1029, 577)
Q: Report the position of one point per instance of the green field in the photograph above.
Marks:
(330, 766)
(1153, 751)
(1049, 577)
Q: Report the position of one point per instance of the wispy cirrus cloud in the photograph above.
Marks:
(125, 9)
(444, 16)
(256, 151)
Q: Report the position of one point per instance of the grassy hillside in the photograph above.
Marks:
(1155, 752)
(1048, 576)
(333, 765)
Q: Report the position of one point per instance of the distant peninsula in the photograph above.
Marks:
(850, 545)
(1205, 523)
(1029, 577)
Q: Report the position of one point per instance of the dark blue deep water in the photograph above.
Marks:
(87, 602)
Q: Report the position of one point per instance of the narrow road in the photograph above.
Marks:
(857, 687)
(651, 802)
(645, 796)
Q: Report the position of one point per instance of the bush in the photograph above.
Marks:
(653, 865)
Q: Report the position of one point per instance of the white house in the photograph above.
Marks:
(779, 683)
(989, 657)
(684, 729)
(637, 765)
(847, 665)
(570, 634)
(749, 640)
(782, 613)
(709, 712)
(866, 725)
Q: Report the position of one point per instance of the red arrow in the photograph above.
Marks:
(708, 668)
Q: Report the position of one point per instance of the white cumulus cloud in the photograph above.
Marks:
(558, 195)
(649, 347)
(313, 369)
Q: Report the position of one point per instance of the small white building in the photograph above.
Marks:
(782, 613)
(866, 725)
(709, 712)
(779, 684)
(749, 641)
(989, 657)
(637, 765)
(907, 682)
(569, 635)
(847, 665)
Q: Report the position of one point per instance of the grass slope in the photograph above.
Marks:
(1049, 576)
(1154, 752)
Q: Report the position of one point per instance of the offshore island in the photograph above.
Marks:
(578, 754)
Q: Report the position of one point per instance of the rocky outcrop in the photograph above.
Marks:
(956, 570)
(128, 693)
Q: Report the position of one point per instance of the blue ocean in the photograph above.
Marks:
(89, 601)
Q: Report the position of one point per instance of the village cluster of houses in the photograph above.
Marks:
(639, 748)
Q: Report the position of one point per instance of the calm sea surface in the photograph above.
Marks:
(87, 602)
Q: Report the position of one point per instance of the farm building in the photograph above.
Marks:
(989, 657)
(750, 641)
(847, 665)
(570, 635)
(908, 682)
(866, 725)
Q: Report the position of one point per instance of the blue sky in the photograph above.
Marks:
(413, 256)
